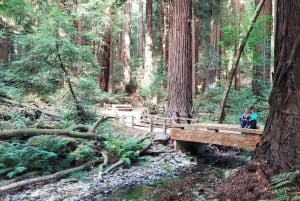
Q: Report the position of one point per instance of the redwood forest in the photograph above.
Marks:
(149, 100)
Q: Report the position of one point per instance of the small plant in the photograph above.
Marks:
(119, 147)
(281, 186)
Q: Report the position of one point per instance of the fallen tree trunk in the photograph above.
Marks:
(70, 132)
(45, 179)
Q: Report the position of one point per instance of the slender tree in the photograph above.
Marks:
(180, 60)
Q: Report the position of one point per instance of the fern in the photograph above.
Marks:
(281, 190)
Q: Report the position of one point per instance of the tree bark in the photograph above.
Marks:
(126, 58)
(140, 42)
(195, 52)
(165, 10)
(279, 145)
(148, 68)
(215, 37)
(180, 61)
(105, 60)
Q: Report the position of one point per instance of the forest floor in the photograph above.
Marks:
(166, 175)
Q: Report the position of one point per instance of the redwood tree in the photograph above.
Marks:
(180, 60)
(280, 142)
(278, 150)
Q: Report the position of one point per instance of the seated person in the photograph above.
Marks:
(253, 120)
(244, 119)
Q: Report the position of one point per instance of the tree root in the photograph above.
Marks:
(45, 179)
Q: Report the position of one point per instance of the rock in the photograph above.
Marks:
(161, 138)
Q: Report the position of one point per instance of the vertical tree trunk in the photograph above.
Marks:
(215, 37)
(262, 54)
(105, 60)
(279, 145)
(4, 49)
(111, 66)
(165, 25)
(126, 58)
(140, 30)
(195, 52)
(148, 68)
(237, 13)
(180, 61)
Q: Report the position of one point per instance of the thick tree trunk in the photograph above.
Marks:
(180, 60)
(165, 7)
(148, 68)
(105, 60)
(215, 37)
(279, 145)
(126, 58)
(195, 52)
(140, 30)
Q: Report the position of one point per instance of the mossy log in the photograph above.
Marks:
(85, 132)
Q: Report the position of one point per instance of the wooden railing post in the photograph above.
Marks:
(123, 119)
(165, 126)
(132, 121)
(151, 124)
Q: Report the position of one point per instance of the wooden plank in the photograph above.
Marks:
(218, 138)
(241, 130)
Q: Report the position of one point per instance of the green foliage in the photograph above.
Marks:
(237, 102)
(281, 185)
(157, 88)
(118, 146)
(45, 154)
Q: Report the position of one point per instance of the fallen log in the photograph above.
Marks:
(70, 132)
(45, 179)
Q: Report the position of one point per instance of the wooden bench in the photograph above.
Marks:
(219, 134)
(121, 107)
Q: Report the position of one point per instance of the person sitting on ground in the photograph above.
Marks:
(253, 120)
(244, 119)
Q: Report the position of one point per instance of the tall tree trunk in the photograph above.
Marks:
(215, 53)
(79, 26)
(165, 7)
(262, 54)
(279, 145)
(105, 60)
(111, 66)
(195, 52)
(4, 49)
(140, 30)
(148, 68)
(237, 22)
(180, 61)
(126, 58)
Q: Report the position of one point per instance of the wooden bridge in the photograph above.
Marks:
(185, 134)
(219, 134)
